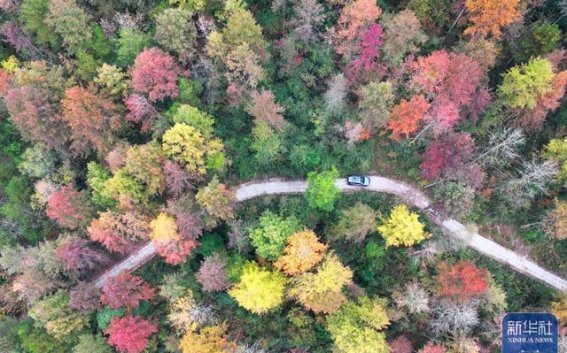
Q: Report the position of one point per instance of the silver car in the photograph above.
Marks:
(358, 180)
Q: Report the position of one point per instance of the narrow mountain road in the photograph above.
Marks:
(406, 192)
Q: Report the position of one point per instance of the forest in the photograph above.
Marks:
(125, 123)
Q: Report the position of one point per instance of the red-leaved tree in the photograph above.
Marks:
(446, 155)
(401, 344)
(366, 62)
(119, 232)
(175, 252)
(155, 73)
(406, 116)
(140, 111)
(130, 334)
(93, 120)
(461, 281)
(78, 256)
(68, 207)
(126, 290)
(353, 19)
(431, 347)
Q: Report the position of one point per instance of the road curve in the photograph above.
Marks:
(406, 192)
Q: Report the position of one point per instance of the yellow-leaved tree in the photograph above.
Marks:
(559, 308)
(355, 327)
(164, 229)
(211, 339)
(402, 228)
(302, 252)
(321, 291)
(490, 16)
(185, 144)
(259, 290)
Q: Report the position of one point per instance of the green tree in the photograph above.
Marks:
(259, 289)
(189, 115)
(176, 32)
(524, 84)
(92, 344)
(321, 190)
(66, 18)
(97, 175)
(267, 144)
(376, 100)
(270, 236)
(355, 223)
(402, 228)
(355, 327)
(145, 163)
(53, 313)
(32, 14)
(542, 39)
(129, 43)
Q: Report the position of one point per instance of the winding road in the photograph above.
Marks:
(406, 192)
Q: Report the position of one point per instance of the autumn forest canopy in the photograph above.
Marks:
(131, 122)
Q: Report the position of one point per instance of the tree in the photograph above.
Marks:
(207, 340)
(92, 344)
(402, 228)
(129, 43)
(354, 327)
(376, 100)
(84, 298)
(176, 32)
(321, 291)
(176, 252)
(130, 334)
(164, 229)
(33, 104)
(267, 144)
(431, 347)
(523, 84)
(126, 290)
(33, 13)
(502, 147)
(96, 177)
(406, 115)
(365, 64)
(461, 281)
(555, 221)
(212, 274)
(15, 36)
(185, 315)
(37, 161)
(217, 200)
(453, 317)
(353, 19)
(118, 232)
(144, 163)
(488, 17)
(308, 16)
(556, 151)
(241, 28)
(559, 308)
(542, 39)
(447, 155)
(78, 256)
(54, 314)
(303, 251)
(264, 108)
(259, 289)
(533, 179)
(401, 344)
(111, 80)
(169, 243)
(185, 144)
(155, 73)
(402, 35)
(65, 17)
(140, 111)
(176, 178)
(414, 299)
(355, 223)
(192, 116)
(93, 120)
(68, 207)
(269, 237)
(321, 191)
(336, 93)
